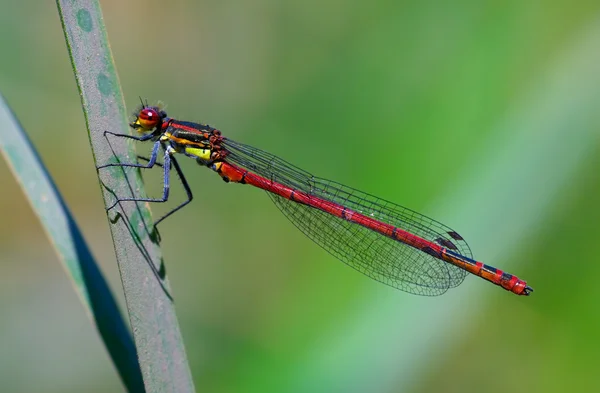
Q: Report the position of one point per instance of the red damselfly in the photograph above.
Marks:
(387, 242)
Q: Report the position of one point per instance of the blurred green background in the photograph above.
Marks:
(482, 114)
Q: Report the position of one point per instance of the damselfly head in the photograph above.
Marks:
(148, 118)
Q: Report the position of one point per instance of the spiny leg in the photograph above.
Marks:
(151, 163)
(148, 160)
(184, 182)
(153, 155)
(168, 159)
(165, 197)
(186, 186)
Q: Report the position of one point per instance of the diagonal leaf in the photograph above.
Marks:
(152, 316)
(70, 246)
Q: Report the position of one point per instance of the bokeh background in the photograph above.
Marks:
(482, 114)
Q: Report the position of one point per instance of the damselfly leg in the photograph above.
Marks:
(169, 161)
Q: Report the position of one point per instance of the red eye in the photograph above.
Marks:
(148, 118)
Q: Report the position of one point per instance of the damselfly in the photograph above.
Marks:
(387, 242)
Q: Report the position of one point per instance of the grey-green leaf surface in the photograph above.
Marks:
(72, 250)
(147, 292)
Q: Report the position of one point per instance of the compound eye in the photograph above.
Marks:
(148, 118)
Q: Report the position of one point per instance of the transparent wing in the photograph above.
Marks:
(377, 256)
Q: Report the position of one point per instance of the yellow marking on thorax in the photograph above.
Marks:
(203, 154)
